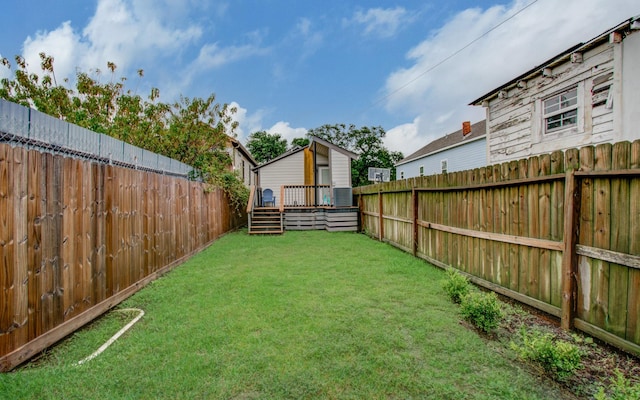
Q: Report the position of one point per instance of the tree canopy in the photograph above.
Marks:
(266, 146)
(299, 142)
(194, 131)
(366, 142)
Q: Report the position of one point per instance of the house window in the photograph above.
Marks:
(561, 110)
(422, 170)
(443, 166)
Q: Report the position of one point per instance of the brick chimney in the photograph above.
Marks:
(466, 128)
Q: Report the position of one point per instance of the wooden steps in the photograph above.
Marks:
(266, 221)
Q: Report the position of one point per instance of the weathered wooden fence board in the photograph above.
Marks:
(75, 234)
(633, 302)
(505, 226)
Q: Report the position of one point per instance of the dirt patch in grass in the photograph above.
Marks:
(600, 362)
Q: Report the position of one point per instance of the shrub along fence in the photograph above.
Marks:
(559, 232)
(77, 237)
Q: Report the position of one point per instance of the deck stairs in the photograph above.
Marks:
(266, 221)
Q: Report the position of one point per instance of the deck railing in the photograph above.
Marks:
(293, 196)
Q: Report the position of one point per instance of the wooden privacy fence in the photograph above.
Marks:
(559, 232)
(78, 237)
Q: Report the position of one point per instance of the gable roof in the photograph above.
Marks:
(625, 26)
(236, 143)
(453, 139)
(286, 154)
(298, 149)
(332, 146)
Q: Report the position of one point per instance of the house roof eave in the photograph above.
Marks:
(332, 146)
(408, 160)
(280, 157)
(555, 60)
(448, 141)
(236, 143)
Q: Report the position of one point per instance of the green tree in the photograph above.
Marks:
(366, 142)
(266, 146)
(300, 142)
(194, 131)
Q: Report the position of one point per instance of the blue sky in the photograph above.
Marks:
(293, 65)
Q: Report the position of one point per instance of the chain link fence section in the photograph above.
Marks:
(23, 126)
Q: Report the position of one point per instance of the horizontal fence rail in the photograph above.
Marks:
(559, 232)
(77, 237)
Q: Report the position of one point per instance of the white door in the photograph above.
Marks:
(324, 178)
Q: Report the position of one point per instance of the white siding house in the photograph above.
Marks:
(288, 169)
(341, 171)
(242, 163)
(450, 153)
(320, 167)
(586, 95)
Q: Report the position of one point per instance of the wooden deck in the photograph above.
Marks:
(271, 220)
(297, 208)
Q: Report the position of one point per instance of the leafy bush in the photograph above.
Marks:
(481, 309)
(558, 357)
(456, 286)
(620, 389)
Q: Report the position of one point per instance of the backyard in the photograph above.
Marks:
(302, 315)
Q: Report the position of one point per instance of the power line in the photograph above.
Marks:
(451, 55)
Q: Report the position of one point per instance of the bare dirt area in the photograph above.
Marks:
(600, 363)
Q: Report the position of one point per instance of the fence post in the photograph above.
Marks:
(414, 198)
(569, 256)
(380, 218)
(361, 210)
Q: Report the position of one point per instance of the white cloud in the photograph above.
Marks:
(213, 56)
(287, 132)
(247, 123)
(404, 138)
(63, 43)
(311, 40)
(380, 22)
(133, 34)
(439, 94)
(124, 32)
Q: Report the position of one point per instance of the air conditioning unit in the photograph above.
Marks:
(342, 197)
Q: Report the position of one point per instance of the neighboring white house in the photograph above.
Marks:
(242, 162)
(586, 95)
(456, 151)
(321, 167)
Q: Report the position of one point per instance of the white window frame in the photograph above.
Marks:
(421, 170)
(563, 108)
(444, 164)
(539, 122)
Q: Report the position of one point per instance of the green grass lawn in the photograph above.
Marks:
(302, 315)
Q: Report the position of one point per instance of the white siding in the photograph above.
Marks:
(608, 101)
(248, 176)
(286, 171)
(322, 160)
(466, 156)
(631, 87)
(340, 170)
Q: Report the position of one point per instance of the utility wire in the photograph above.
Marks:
(451, 55)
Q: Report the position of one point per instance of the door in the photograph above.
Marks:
(324, 193)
